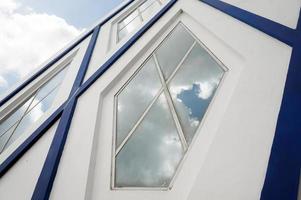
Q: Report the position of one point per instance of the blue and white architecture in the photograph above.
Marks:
(165, 100)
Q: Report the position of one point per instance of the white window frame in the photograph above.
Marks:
(99, 177)
(114, 40)
(174, 115)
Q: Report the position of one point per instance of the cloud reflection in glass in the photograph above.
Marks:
(149, 144)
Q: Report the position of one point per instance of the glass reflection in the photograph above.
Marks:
(14, 117)
(193, 87)
(146, 4)
(151, 156)
(135, 97)
(128, 19)
(135, 19)
(173, 50)
(20, 120)
(152, 153)
(31, 117)
(129, 28)
(5, 136)
(150, 10)
(49, 87)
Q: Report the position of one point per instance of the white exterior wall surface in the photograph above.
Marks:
(283, 12)
(20, 181)
(229, 155)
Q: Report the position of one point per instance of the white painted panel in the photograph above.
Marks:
(19, 182)
(282, 11)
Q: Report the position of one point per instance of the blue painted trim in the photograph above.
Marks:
(283, 172)
(86, 60)
(269, 27)
(123, 49)
(47, 176)
(18, 153)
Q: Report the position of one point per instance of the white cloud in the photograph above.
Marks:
(3, 82)
(28, 38)
(8, 6)
(206, 89)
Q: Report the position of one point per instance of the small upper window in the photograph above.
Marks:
(160, 108)
(140, 14)
(28, 112)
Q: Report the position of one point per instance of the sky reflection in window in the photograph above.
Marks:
(193, 87)
(137, 17)
(151, 153)
(30, 111)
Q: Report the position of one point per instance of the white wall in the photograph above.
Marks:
(281, 11)
(19, 182)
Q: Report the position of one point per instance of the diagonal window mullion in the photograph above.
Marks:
(6, 130)
(171, 106)
(4, 147)
(180, 63)
(120, 28)
(154, 1)
(138, 122)
(31, 108)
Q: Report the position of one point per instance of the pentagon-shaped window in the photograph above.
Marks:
(159, 110)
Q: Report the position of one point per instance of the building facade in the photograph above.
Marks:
(163, 99)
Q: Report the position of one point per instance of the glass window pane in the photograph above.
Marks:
(129, 28)
(5, 137)
(14, 117)
(193, 87)
(135, 97)
(145, 5)
(152, 154)
(47, 88)
(148, 12)
(41, 103)
(31, 117)
(173, 50)
(128, 19)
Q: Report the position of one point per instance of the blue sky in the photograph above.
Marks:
(33, 30)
